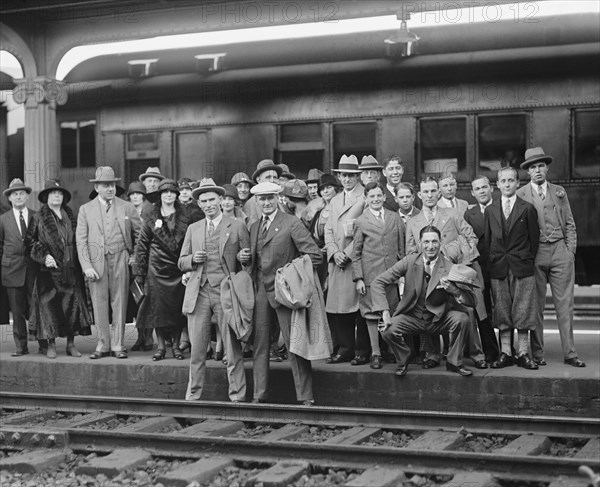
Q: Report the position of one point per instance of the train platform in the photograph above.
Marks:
(555, 389)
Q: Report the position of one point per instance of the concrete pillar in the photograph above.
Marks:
(40, 95)
(3, 148)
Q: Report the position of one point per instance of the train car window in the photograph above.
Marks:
(501, 142)
(301, 147)
(443, 147)
(586, 163)
(300, 132)
(358, 138)
(78, 143)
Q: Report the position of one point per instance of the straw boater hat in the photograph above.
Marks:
(313, 176)
(266, 187)
(463, 276)
(16, 185)
(231, 191)
(151, 172)
(369, 163)
(136, 187)
(533, 155)
(328, 180)
(348, 164)
(266, 165)
(168, 185)
(206, 185)
(105, 174)
(296, 189)
(286, 172)
(241, 177)
(54, 185)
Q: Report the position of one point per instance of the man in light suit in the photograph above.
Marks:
(448, 197)
(209, 255)
(348, 327)
(555, 259)
(429, 304)
(275, 240)
(107, 228)
(18, 269)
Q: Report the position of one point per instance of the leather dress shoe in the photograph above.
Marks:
(540, 361)
(20, 353)
(575, 362)
(307, 402)
(430, 364)
(459, 369)
(137, 346)
(481, 364)
(121, 354)
(401, 370)
(525, 362)
(375, 362)
(504, 360)
(96, 355)
(359, 360)
(336, 359)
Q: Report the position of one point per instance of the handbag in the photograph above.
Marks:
(136, 291)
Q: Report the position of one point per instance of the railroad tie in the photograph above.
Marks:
(27, 416)
(378, 477)
(213, 427)
(526, 445)
(352, 436)
(286, 433)
(150, 425)
(201, 471)
(479, 479)
(119, 460)
(281, 474)
(84, 421)
(590, 450)
(437, 440)
(34, 462)
(564, 481)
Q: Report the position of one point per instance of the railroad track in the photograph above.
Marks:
(437, 447)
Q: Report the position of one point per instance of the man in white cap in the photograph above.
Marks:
(275, 240)
(18, 269)
(266, 171)
(555, 259)
(107, 228)
(209, 254)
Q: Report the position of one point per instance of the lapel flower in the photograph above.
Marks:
(158, 223)
(560, 193)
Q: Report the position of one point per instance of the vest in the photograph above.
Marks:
(420, 310)
(213, 269)
(550, 228)
(113, 239)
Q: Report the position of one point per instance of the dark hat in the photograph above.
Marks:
(295, 189)
(151, 172)
(241, 177)
(185, 183)
(231, 191)
(54, 185)
(105, 174)
(328, 180)
(348, 164)
(286, 172)
(206, 185)
(168, 185)
(16, 185)
(266, 165)
(368, 163)
(119, 191)
(136, 187)
(313, 176)
(533, 155)
(463, 276)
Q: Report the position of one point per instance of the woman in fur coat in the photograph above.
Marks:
(60, 305)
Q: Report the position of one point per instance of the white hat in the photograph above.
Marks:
(266, 187)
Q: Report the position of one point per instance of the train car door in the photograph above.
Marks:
(192, 155)
(142, 151)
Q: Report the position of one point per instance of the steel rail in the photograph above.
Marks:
(282, 413)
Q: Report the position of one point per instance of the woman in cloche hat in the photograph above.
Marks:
(59, 306)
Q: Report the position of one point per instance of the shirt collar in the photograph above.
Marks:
(25, 213)
(377, 213)
(446, 202)
(544, 186)
(512, 200)
(391, 188)
(271, 217)
(432, 263)
(215, 221)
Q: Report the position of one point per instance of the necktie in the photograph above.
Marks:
(379, 217)
(108, 205)
(427, 269)
(453, 202)
(429, 216)
(265, 225)
(507, 209)
(482, 209)
(211, 228)
(541, 193)
(22, 224)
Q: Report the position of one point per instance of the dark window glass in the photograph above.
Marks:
(587, 144)
(359, 139)
(300, 162)
(68, 140)
(87, 144)
(78, 144)
(443, 148)
(502, 140)
(301, 132)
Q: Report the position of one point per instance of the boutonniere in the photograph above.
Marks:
(158, 223)
(560, 193)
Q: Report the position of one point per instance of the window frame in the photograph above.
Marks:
(573, 142)
(78, 122)
(377, 145)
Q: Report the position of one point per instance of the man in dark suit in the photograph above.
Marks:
(275, 240)
(431, 303)
(18, 270)
(511, 240)
(392, 171)
(482, 191)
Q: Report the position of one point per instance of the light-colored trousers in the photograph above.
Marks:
(199, 328)
(112, 289)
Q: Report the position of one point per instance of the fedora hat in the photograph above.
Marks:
(266, 165)
(266, 187)
(533, 155)
(168, 185)
(136, 187)
(295, 189)
(241, 177)
(151, 172)
(369, 163)
(285, 172)
(463, 276)
(328, 180)
(119, 191)
(348, 164)
(206, 185)
(105, 174)
(16, 185)
(313, 176)
(54, 185)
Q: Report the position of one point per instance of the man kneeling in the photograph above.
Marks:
(435, 291)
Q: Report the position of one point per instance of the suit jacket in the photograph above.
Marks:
(516, 250)
(377, 246)
(458, 244)
(90, 231)
(475, 218)
(390, 202)
(563, 210)
(286, 239)
(415, 212)
(437, 300)
(233, 237)
(461, 208)
(14, 256)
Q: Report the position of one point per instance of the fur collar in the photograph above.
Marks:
(170, 240)
(48, 230)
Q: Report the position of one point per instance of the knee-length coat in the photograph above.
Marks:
(60, 303)
(156, 254)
